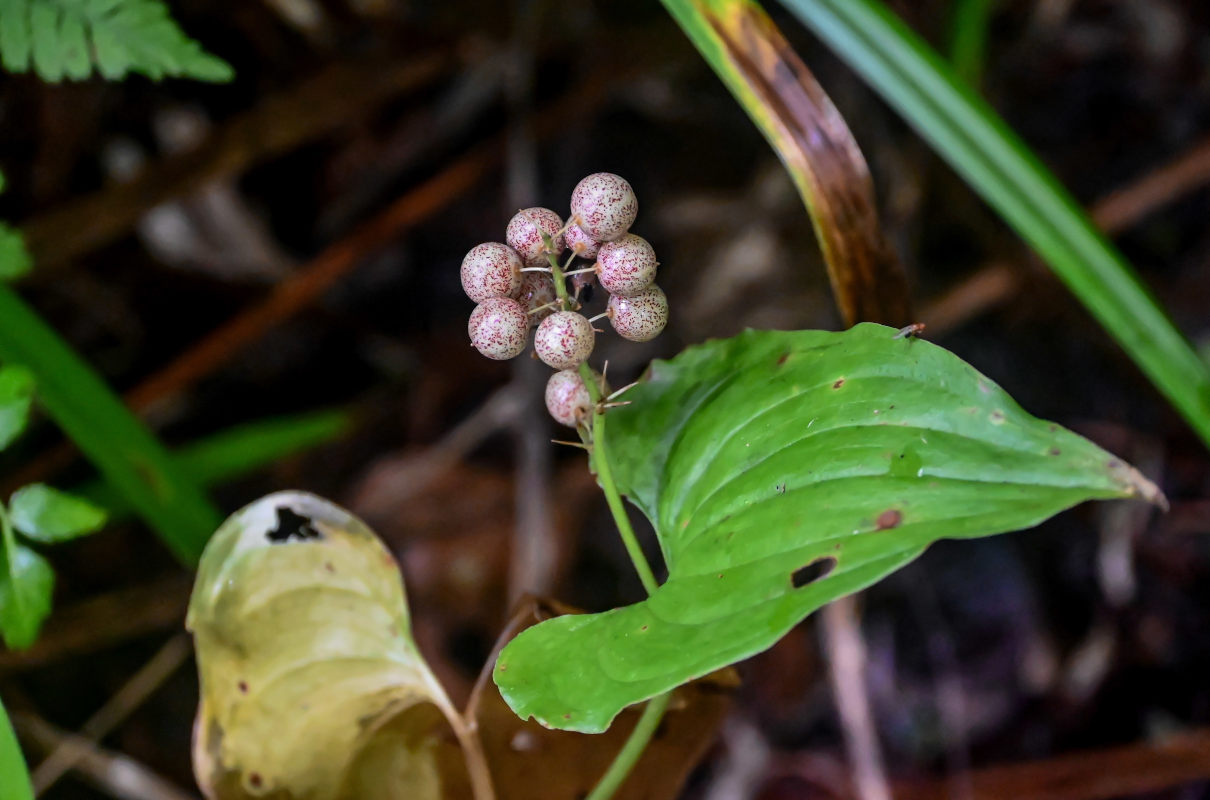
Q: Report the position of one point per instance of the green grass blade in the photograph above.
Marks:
(121, 448)
(14, 775)
(968, 38)
(965, 131)
(235, 452)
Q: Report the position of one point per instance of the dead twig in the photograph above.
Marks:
(847, 671)
(1128, 771)
(67, 753)
(116, 774)
(101, 621)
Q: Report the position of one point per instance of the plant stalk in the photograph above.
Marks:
(632, 750)
(639, 738)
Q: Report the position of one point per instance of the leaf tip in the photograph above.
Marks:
(1136, 484)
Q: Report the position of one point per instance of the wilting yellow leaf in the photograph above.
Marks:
(312, 688)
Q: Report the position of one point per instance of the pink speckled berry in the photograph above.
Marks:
(537, 290)
(567, 398)
(627, 266)
(499, 328)
(639, 318)
(489, 270)
(604, 206)
(525, 230)
(564, 339)
(581, 243)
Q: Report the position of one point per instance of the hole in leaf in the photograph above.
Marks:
(290, 526)
(819, 568)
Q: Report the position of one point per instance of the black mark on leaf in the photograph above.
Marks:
(292, 526)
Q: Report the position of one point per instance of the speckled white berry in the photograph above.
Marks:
(564, 339)
(627, 266)
(499, 328)
(639, 318)
(537, 290)
(489, 270)
(581, 243)
(567, 398)
(604, 206)
(524, 234)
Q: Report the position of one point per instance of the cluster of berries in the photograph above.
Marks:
(514, 286)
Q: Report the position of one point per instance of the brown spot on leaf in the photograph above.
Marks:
(889, 519)
(838, 384)
(784, 357)
(1054, 451)
(243, 687)
(819, 568)
(255, 779)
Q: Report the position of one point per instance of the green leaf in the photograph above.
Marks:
(772, 458)
(123, 451)
(62, 38)
(235, 452)
(14, 774)
(26, 585)
(16, 395)
(311, 685)
(967, 133)
(47, 515)
(15, 260)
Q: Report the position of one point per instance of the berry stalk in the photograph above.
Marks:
(597, 453)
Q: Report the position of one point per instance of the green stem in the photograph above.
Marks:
(9, 541)
(597, 452)
(632, 750)
(600, 462)
(637, 742)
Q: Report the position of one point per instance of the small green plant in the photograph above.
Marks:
(67, 39)
(780, 470)
(38, 513)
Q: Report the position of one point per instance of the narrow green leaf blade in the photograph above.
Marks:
(14, 774)
(103, 428)
(235, 452)
(26, 586)
(771, 458)
(16, 395)
(965, 131)
(49, 516)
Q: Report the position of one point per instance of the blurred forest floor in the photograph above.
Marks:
(290, 242)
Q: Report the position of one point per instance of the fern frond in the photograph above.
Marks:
(66, 38)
